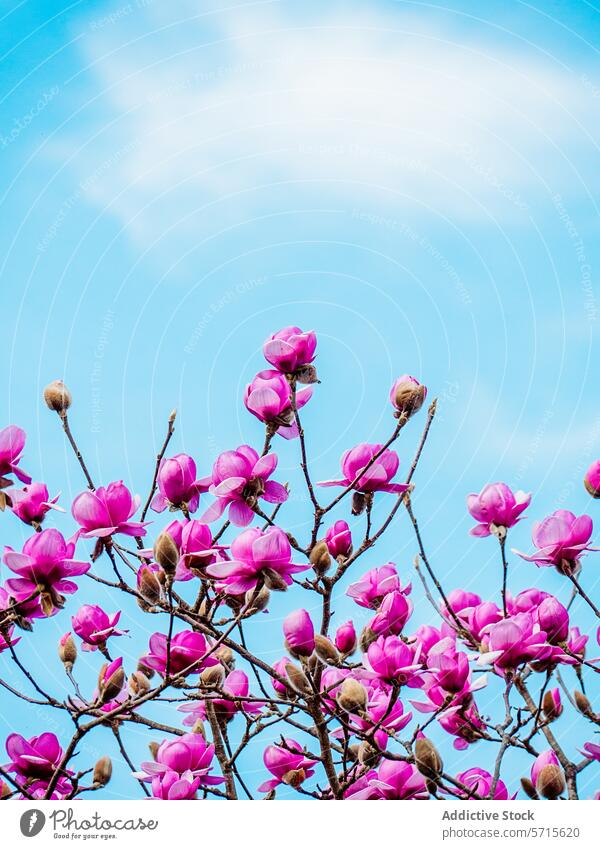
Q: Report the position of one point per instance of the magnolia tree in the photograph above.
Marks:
(332, 715)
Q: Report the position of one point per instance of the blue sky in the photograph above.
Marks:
(416, 182)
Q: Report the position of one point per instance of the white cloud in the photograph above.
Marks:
(350, 102)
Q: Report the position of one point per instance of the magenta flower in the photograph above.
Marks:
(279, 667)
(407, 395)
(256, 555)
(339, 539)
(553, 619)
(12, 443)
(268, 398)
(480, 783)
(288, 765)
(378, 475)
(239, 479)
(189, 651)
(236, 685)
(451, 670)
(592, 479)
(32, 503)
(393, 661)
(94, 626)
(299, 633)
(178, 486)
(107, 511)
(463, 722)
(194, 541)
(290, 349)
(495, 507)
(591, 750)
(392, 615)
(375, 584)
(38, 789)
(382, 713)
(561, 539)
(514, 641)
(189, 758)
(393, 780)
(345, 638)
(45, 564)
(547, 758)
(37, 757)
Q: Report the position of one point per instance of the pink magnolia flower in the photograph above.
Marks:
(94, 626)
(375, 584)
(12, 443)
(378, 475)
(407, 395)
(279, 667)
(268, 398)
(553, 619)
(189, 758)
(194, 541)
(495, 507)
(239, 479)
(393, 780)
(299, 633)
(288, 765)
(480, 783)
(107, 511)
(111, 675)
(235, 684)
(392, 615)
(188, 653)
(32, 503)
(482, 615)
(591, 750)
(382, 713)
(39, 788)
(527, 601)
(339, 539)
(290, 349)
(256, 555)
(514, 641)
(463, 722)
(37, 757)
(45, 564)
(345, 638)
(394, 661)
(177, 485)
(592, 479)
(547, 758)
(560, 538)
(451, 670)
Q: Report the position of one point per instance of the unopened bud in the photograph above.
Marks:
(352, 696)
(583, 703)
(368, 755)
(528, 788)
(67, 651)
(551, 782)
(213, 676)
(408, 396)
(307, 374)
(359, 502)
(149, 673)
(320, 557)
(325, 650)
(58, 397)
(257, 601)
(111, 687)
(427, 758)
(102, 771)
(138, 683)
(294, 777)
(153, 746)
(551, 706)
(198, 728)
(273, 580)
(166, 553)
(224, 655)
(366, 638)
(298, 679)
(149, 584)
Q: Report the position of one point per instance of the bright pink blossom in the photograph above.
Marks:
(591, 750)
(196, 549)
(290, 349)
(37, 757)
(496, 506)
(239, 479)
(236, 685)
(394, 661)
(181, 766)
(560, 539)
(268, 398)
(32, 503)
(12, 443)
(107, 511)
(94, 626)
(189, 652)
(514, 641)
(480, 783)
(177, 485)
(377, 477)
(339, 539)
(393, 780)
(345, 638)
(392, 615)
(288, 765)
(375, 584)
(299, 633)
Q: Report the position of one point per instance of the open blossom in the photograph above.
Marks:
(480, 783)
(32, 503)
(94, 626)
(496, 506)
(236, 684)
(12, 443)
(463, 722)
(256, 555)
(299, 633)
(339, 539)
(377, 477)
(392, 614)
(407, 395)
(177, 484)
(393, 780)
(45, 565)
(288, 765)
(290, 349)
(268, 398)
(514, 641)
(450, 670)
(591, 750)
(239, 479)
(561, 538)
(107, 511)
(393, 661)
(37, 757)
(188, 653)
(375, 584)
(181, 766)
(592, 479)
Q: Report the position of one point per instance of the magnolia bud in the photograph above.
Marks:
(149, 584)
(5, 790)
(551, 782)
(366, 638)
(325, 650)
(153, 746)
(198, 728)
(166, 553)
(102, 771)
(307, 374)
(149, 673)
(138, 683)
(551, 705)
(294, 777)
(352, 696)
(407, 395)
(298, 679)
(320, 557)
(67, 651)
(368, 755)
(57, 397)
(529, 789)
(427, 758)
(224, 655)
(273, 580)
(112, 686)
(212, 676)
(257, 602)
(359, 502)
(583, 703)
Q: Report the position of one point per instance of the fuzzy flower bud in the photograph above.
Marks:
(67, 650)
(297, 679)
(57, 397)
(213, 676)
(407, 395)
(427, 758)
(325, 650)
(352, 696)
(166, 553)
(320, 557)
(102, 771)
(551, 782)
(592, 479)
(138, 683)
